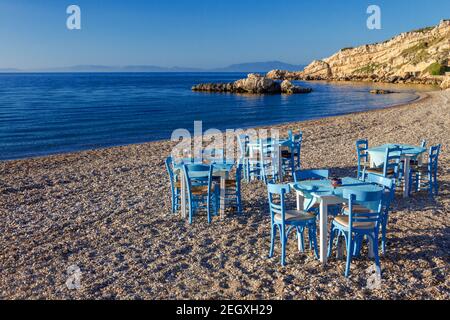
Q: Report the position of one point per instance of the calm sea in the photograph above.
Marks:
(44, 114)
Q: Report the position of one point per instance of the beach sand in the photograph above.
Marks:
(108, 212)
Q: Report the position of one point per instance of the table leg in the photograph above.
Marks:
(300, 200)
(183, 196)
(406, 177)
(323, 227)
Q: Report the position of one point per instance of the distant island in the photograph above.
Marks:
(420, 56)
(242, 68)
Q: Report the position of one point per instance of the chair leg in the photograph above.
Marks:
(173, 200)
(283, 247)
(375, 252)
(273, 234)
(330, 244)
(358, 246)
(349, 255)
(239, 201)
(384, 234)
(313, 239)
(300, 239)
(436, 185)
(190, 212)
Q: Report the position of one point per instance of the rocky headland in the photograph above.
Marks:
(420, 57)
(253, 84)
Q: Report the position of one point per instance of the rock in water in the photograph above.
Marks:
(253, 84)
(381, 91)
(288, 88)
(256, 83)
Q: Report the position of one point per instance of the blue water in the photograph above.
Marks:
(44, 114)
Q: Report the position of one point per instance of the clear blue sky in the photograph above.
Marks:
(197, 33)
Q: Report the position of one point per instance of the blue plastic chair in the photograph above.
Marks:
(286, 221)
(175, 185)
(357, 225)
(388, 197)
(391, 166)
(426, 175)
(201, 193)
(292, 158)
(363, 156)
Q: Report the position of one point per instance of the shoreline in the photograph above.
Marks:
(107, 211)
(420, 96)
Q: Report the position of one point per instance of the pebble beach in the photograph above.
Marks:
(107, 212)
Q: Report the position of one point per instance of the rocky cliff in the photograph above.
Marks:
(420, 56)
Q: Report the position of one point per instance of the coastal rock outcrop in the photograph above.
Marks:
(421, 56)
(253, 84)
(381, 91)
(446, 83)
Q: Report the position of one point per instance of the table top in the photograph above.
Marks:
(405, 148)
(323, 188)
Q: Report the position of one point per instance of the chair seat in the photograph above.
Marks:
(295, 216)
(287, 154)
(420, 169)
(200, 190)
(230, 183)
(380, 171)
(344, 221)
(357, 208)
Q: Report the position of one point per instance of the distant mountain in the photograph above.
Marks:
(260, 67)
(101, 68)
(243, 67)
(7, 70)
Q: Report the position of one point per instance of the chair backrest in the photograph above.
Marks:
(296, 148)
(243, 141)
(354, 197)
(387, 184)
(169, 167)
(295, 137)
(301, 175)
(362, 146)
(433, 157)
(198, 175)
(276, 194)
(423, 144)
(392, 161)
